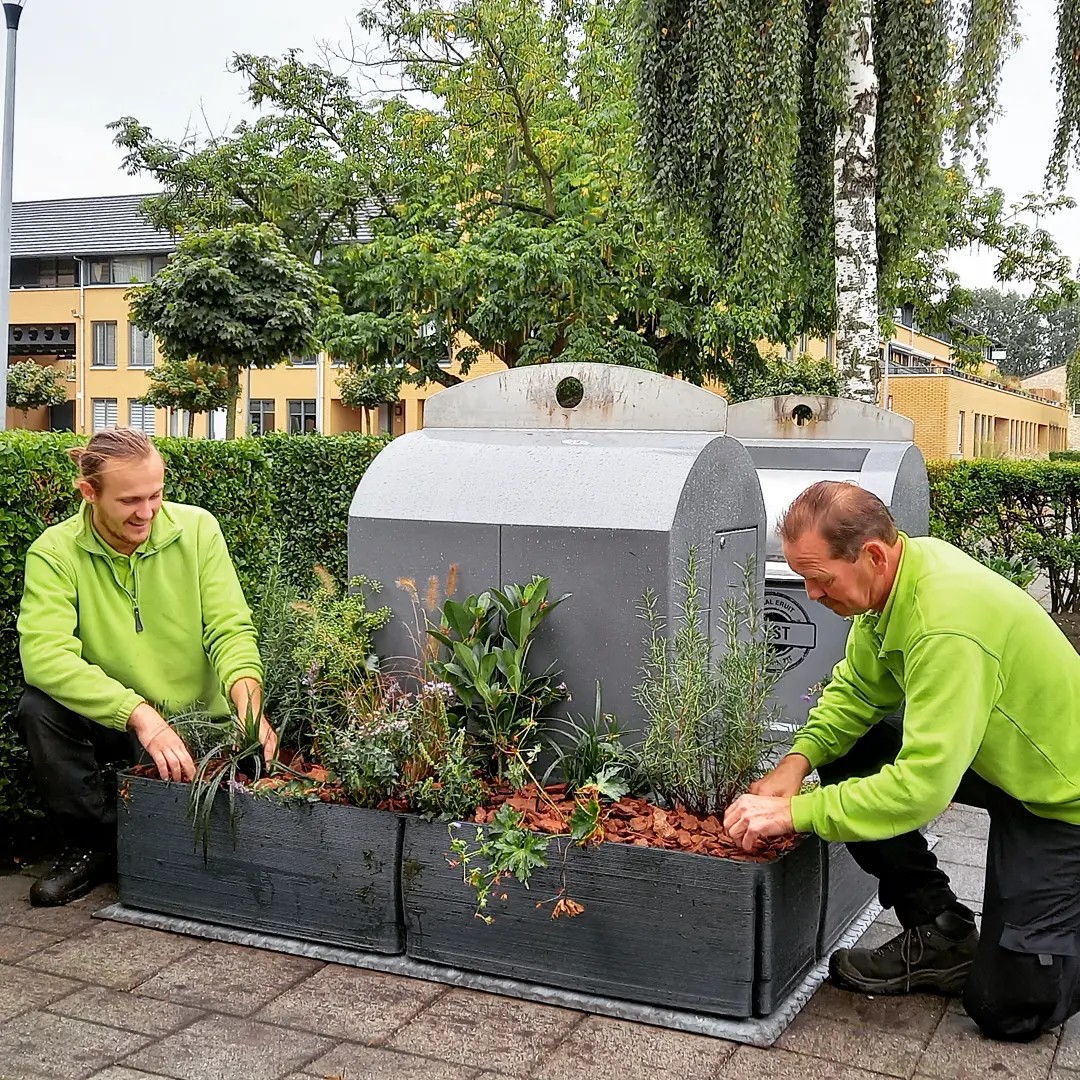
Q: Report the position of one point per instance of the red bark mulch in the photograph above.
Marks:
(636, 822)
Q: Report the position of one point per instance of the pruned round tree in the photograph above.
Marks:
(234, 298)
(190, 385)
(34, 386)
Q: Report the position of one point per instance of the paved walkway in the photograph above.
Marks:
(81, 998)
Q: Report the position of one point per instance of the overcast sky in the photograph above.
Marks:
(83, 63)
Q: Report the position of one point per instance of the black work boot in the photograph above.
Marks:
(74, 874)
(935, 957)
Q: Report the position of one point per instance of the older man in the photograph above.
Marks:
(130, 607)
(990, 690)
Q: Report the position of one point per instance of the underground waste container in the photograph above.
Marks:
(597, 476)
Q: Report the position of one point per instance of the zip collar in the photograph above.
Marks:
(163, 532)
(889, 627)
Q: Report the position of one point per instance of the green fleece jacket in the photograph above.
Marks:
(102, 632)
(987, 682)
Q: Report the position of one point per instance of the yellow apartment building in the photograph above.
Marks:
(73, 260)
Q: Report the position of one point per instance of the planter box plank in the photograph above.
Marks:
(848, 890)
(314, 871)
(661, 927)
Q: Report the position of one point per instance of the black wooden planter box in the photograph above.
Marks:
(314, 871)
(661, 927)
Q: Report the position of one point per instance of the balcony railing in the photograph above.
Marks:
(954, 373)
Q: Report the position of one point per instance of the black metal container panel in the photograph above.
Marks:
(315, 871)
(666, 928)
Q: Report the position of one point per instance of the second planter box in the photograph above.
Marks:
(666, 928)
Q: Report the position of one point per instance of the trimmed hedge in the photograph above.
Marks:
(1065, 455)
(261, 491)
(998, 509)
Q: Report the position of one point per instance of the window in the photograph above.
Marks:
(104, 413)
(960, 435)
(130, 269)
(304, 361)
(104, 344)
(44, 273)
(141, 345)
(261, 417)
(179, 421)
(141, 417)
(301, 416)
(1076, 408)
(125, 269)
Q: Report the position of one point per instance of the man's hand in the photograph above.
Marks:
(162, 743)
(785, 780)
(751, 818)
(247, 698)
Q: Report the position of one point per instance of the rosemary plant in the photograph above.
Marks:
(705, 740)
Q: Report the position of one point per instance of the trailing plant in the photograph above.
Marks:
(707, 714)
(504, 848)
(487, 641)
(591, 753)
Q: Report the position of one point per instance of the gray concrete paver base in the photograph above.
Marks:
(74, 1006)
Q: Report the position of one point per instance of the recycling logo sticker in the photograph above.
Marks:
(790, 630)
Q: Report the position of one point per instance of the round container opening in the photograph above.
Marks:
(569, 392)
(802, 415)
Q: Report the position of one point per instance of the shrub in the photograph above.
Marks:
(313, 481)
(1065, 455)
(1020, 514)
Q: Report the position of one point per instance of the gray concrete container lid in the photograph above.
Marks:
(829, 418)
(613, 398)
(587, 479)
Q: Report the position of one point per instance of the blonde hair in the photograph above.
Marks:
(845, 515)
(106, 448)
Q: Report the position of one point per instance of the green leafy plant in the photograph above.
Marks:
(1015, 568)
(487, 640)
(334, 650)
(707, 712)
(590, 752)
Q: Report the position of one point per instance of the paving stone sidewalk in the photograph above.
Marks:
(81, 998)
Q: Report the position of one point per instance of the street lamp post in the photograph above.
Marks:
(12, 12)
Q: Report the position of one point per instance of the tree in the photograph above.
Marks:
(190, 385)
(232, 298)
(34, 386)
(508, 216)
(1034, 339)
(806, 375)
(846, 162)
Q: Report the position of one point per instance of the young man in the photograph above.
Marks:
(991, 696)
(131, 607)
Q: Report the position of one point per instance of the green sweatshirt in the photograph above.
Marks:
(84, 603)
(987, 682)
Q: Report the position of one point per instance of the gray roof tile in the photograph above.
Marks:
(99, 225)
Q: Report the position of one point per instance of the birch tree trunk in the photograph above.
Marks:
(858, 337)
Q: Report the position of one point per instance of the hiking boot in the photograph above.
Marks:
(74, 874)
(935, 957)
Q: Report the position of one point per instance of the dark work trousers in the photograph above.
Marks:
(74, 762)
(1026, 975)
